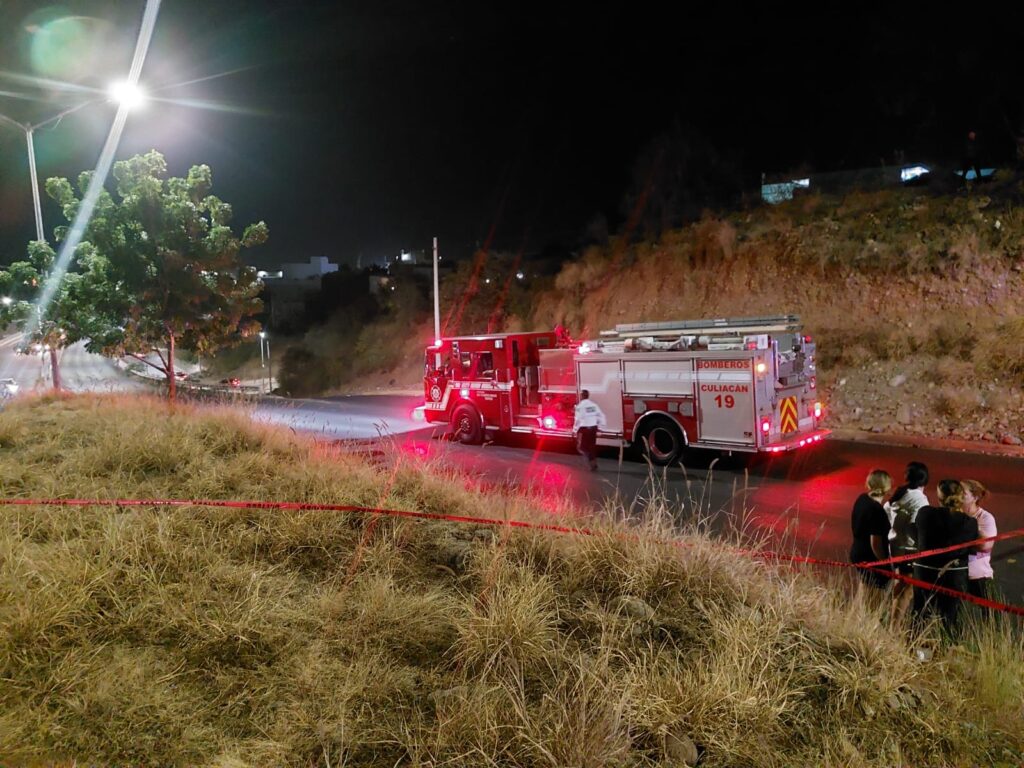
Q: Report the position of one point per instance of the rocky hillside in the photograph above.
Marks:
(916, 300)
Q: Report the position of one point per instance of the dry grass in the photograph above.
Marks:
(188, 636)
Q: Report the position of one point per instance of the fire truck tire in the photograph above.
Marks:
(466, 425)
(662, 441)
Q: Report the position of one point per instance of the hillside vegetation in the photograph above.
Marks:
(915, 300)
(224, 637)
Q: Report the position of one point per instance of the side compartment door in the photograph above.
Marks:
(725, 398)
(602, 379)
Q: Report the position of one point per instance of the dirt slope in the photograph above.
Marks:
(916, 301)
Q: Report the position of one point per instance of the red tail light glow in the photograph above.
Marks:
(766, 425)
(817, 410)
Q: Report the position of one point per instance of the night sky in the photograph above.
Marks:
(361, 129)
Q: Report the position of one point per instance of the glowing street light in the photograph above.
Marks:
(126, 94)
(121, 93)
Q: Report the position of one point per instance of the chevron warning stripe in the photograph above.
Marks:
(787, 415)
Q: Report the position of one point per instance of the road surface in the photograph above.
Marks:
(80, 371)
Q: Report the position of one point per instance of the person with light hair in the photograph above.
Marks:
(979, 564)
(870, 526)
(938, 527)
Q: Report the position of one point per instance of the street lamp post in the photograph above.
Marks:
(131, 98)
(270, 370)
(265, 360)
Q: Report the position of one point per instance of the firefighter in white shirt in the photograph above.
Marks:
(589, 417)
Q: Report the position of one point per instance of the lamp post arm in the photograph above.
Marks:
(61, 115)
(12, 122)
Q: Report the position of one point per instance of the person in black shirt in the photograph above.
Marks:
(939, 527)
(870, 525)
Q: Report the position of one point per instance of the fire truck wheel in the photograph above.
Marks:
(466, 425)
(662, 441)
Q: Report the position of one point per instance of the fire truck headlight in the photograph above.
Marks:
(464, 393)
(549, 422)
(584, 348)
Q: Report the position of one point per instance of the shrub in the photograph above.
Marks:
(956, 402)
(1001, 353)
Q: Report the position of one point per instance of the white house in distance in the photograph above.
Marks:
(286, 290)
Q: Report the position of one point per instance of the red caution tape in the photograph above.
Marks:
(873, 567)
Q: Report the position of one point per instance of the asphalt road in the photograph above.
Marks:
(80, 371)
(801, 502)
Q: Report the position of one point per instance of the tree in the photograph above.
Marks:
(160, 267)
(49, 328)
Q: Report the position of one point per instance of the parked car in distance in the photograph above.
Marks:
(234, 381)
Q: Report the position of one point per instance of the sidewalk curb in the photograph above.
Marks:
(930, 443)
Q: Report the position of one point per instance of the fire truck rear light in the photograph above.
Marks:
(814, 381)
(807, 339)
(817, 410)
(549, 422)
(766, 425)
(751, 345)
(761, 368)
(464, 393)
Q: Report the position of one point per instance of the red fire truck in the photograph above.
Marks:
(734, 384)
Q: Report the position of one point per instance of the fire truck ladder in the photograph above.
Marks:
(726, 326)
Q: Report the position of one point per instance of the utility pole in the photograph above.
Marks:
(437, 299)
(36, 203)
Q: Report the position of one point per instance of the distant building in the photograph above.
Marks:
(287, 291)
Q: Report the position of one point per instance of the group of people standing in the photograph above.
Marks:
(887, 525)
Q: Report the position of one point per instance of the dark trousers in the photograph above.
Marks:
(928, 603)
(588, 444)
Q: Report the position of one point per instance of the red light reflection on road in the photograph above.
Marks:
(812, 514)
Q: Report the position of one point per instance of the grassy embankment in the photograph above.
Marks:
(220, 637)
(917, 301)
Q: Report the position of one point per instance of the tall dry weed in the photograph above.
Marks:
(237, 637)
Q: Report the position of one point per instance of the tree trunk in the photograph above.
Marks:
(55, 369)
(172, 380)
